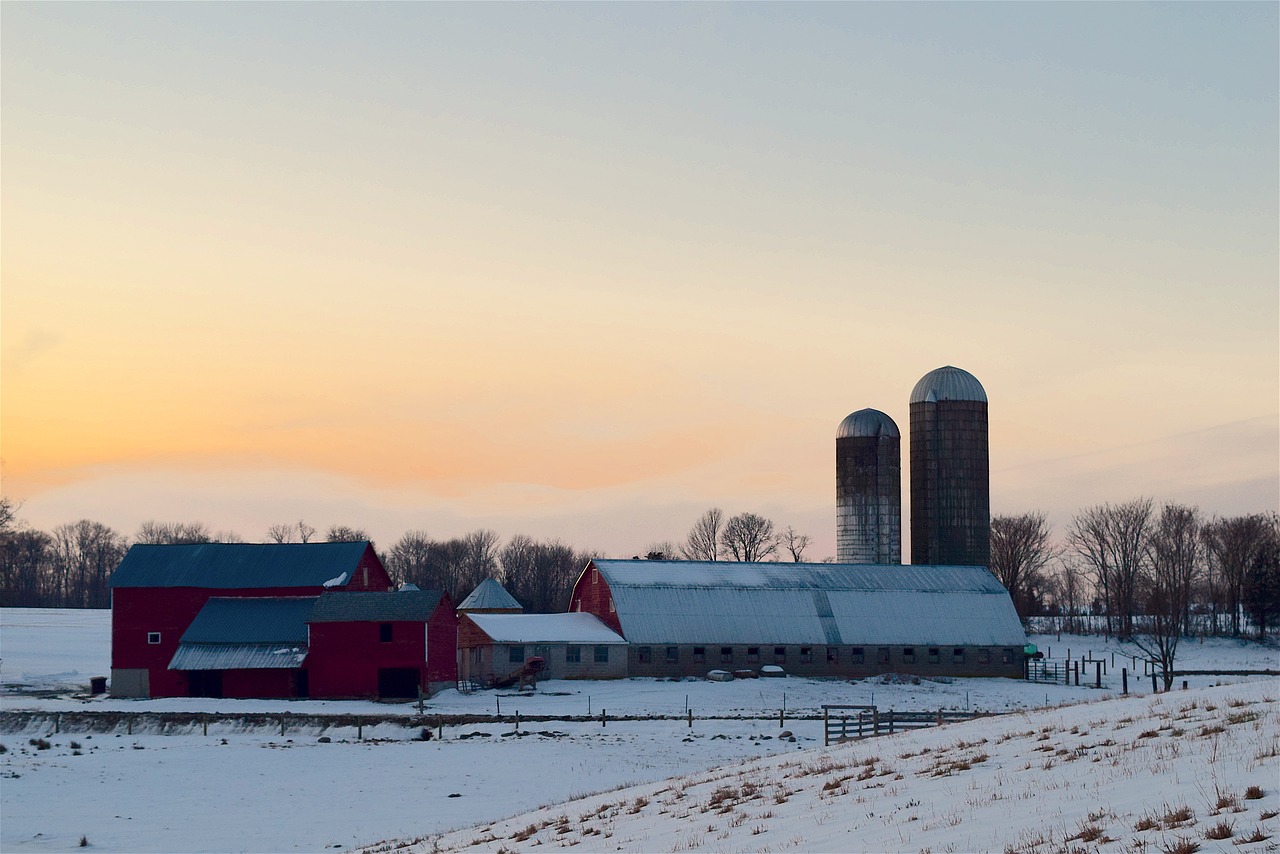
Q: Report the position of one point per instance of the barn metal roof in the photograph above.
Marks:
(238, 620)
(239, 565)
(869, 423)
(546, 628)
(822, 604)
(398, 606)
(948, 383)
(237, 656)
(490, 595)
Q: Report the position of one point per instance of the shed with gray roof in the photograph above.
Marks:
(686, 617)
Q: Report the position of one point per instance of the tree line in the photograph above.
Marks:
(1136, 564)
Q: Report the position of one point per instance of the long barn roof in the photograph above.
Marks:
(689, 602)
(240, 565)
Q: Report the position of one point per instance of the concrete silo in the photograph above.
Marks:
(950, 470)
(868, 489)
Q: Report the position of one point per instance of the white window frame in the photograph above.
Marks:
(154, 638)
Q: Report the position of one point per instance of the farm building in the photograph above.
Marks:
(492, 647)
(382, 644)
(490, 597)
(273, 620)
(683, 618)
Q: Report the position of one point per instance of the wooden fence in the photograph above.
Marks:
(841, 723)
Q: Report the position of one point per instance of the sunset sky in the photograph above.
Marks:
(584, 270)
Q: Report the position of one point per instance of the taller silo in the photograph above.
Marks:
(950, 470)
(868, 489)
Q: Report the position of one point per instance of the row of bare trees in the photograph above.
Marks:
(746, 537)
(1132, 562)
(70, 567)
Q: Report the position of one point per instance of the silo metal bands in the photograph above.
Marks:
(868, 489)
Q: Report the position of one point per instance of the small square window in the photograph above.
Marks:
(602, 655)
(572, 654)
(384, 632)
(153, 637)
(699, 653)
(644, 654)
(673, 655)
(515, 654)
(856, 653)
(833, 655)
(909, 654)
(806, 653)
(957, 655)
(780, 654)
(726, 655)
(753, 654)
(933, 655)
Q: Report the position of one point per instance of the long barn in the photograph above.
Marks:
(684, 618)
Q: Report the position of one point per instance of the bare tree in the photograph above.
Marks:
(665, 550)
(345, 534)
(1261, 594)
(282, 533)
(1020, 551)
(1069, 592)
(795, 543)
(1114, 541)
(1175, 559)
(749, 538)
(703, 542)
(172, 533)
(1233, 545)
(305, 532)
(540, 575)
(84, 554)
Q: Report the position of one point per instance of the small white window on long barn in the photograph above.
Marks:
(153, 637)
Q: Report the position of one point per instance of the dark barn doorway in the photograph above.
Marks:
(204, 683)
(398, 682)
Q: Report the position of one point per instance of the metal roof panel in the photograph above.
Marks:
(239, 565)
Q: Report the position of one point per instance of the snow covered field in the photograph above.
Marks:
(257, 791)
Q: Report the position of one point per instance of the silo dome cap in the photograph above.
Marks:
(948, 384)
(868, 423)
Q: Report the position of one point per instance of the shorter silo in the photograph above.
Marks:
(868, 489)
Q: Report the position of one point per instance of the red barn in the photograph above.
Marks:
(382, 644)
(158, 590)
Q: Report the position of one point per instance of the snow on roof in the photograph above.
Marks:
(239, 565)
(490, 595)
(687, 602)
(545, 628)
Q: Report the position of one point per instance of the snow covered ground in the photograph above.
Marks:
(237, 790)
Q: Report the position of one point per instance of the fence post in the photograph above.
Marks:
(57, 723)
(204, 724)
(130, 719)
(781, 713)
(689, 712)
(1155, 689)
(602, 717)
(939, 717)
(1124, 680)
(517, 720)
(359, 730)
(282, 724)
(1097, 668)
(826, 727)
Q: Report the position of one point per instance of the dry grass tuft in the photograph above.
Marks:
(1254, 793)
(1182, 845)
(1221, 830)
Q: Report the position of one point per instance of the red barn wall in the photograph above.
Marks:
(345, 657)
(136, 611)
(592, 595)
